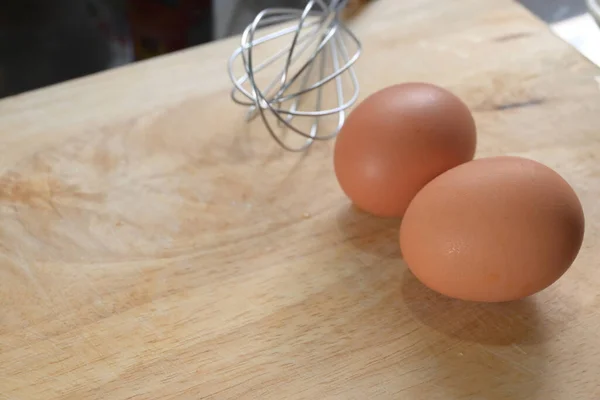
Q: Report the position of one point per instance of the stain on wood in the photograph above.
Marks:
(512, 36)
(519, 104)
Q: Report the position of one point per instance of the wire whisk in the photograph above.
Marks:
(321, 50)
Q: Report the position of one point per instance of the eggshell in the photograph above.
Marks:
(397, 140)
(493, 230)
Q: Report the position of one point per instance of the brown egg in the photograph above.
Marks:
(492, 230)
(397, 140)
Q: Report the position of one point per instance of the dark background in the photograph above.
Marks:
(555, 10)
(49, 41)
(43, 42)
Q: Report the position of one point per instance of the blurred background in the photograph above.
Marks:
(43, 42)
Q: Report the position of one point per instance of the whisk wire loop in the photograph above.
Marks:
(319, 26)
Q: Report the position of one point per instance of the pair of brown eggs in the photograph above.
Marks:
(492, 229)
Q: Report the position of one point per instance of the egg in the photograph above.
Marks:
(397, 140)
(493, 230)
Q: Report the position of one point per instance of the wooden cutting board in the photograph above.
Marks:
(155, 246)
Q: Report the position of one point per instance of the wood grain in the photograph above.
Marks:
(155, 246)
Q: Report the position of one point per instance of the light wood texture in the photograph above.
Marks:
(154, 246)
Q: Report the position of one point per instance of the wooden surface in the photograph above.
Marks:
(154, 246)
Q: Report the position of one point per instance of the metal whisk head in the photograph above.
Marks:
(316, 60)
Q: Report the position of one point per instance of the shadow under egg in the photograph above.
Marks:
(375, 235)
(516, 322)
